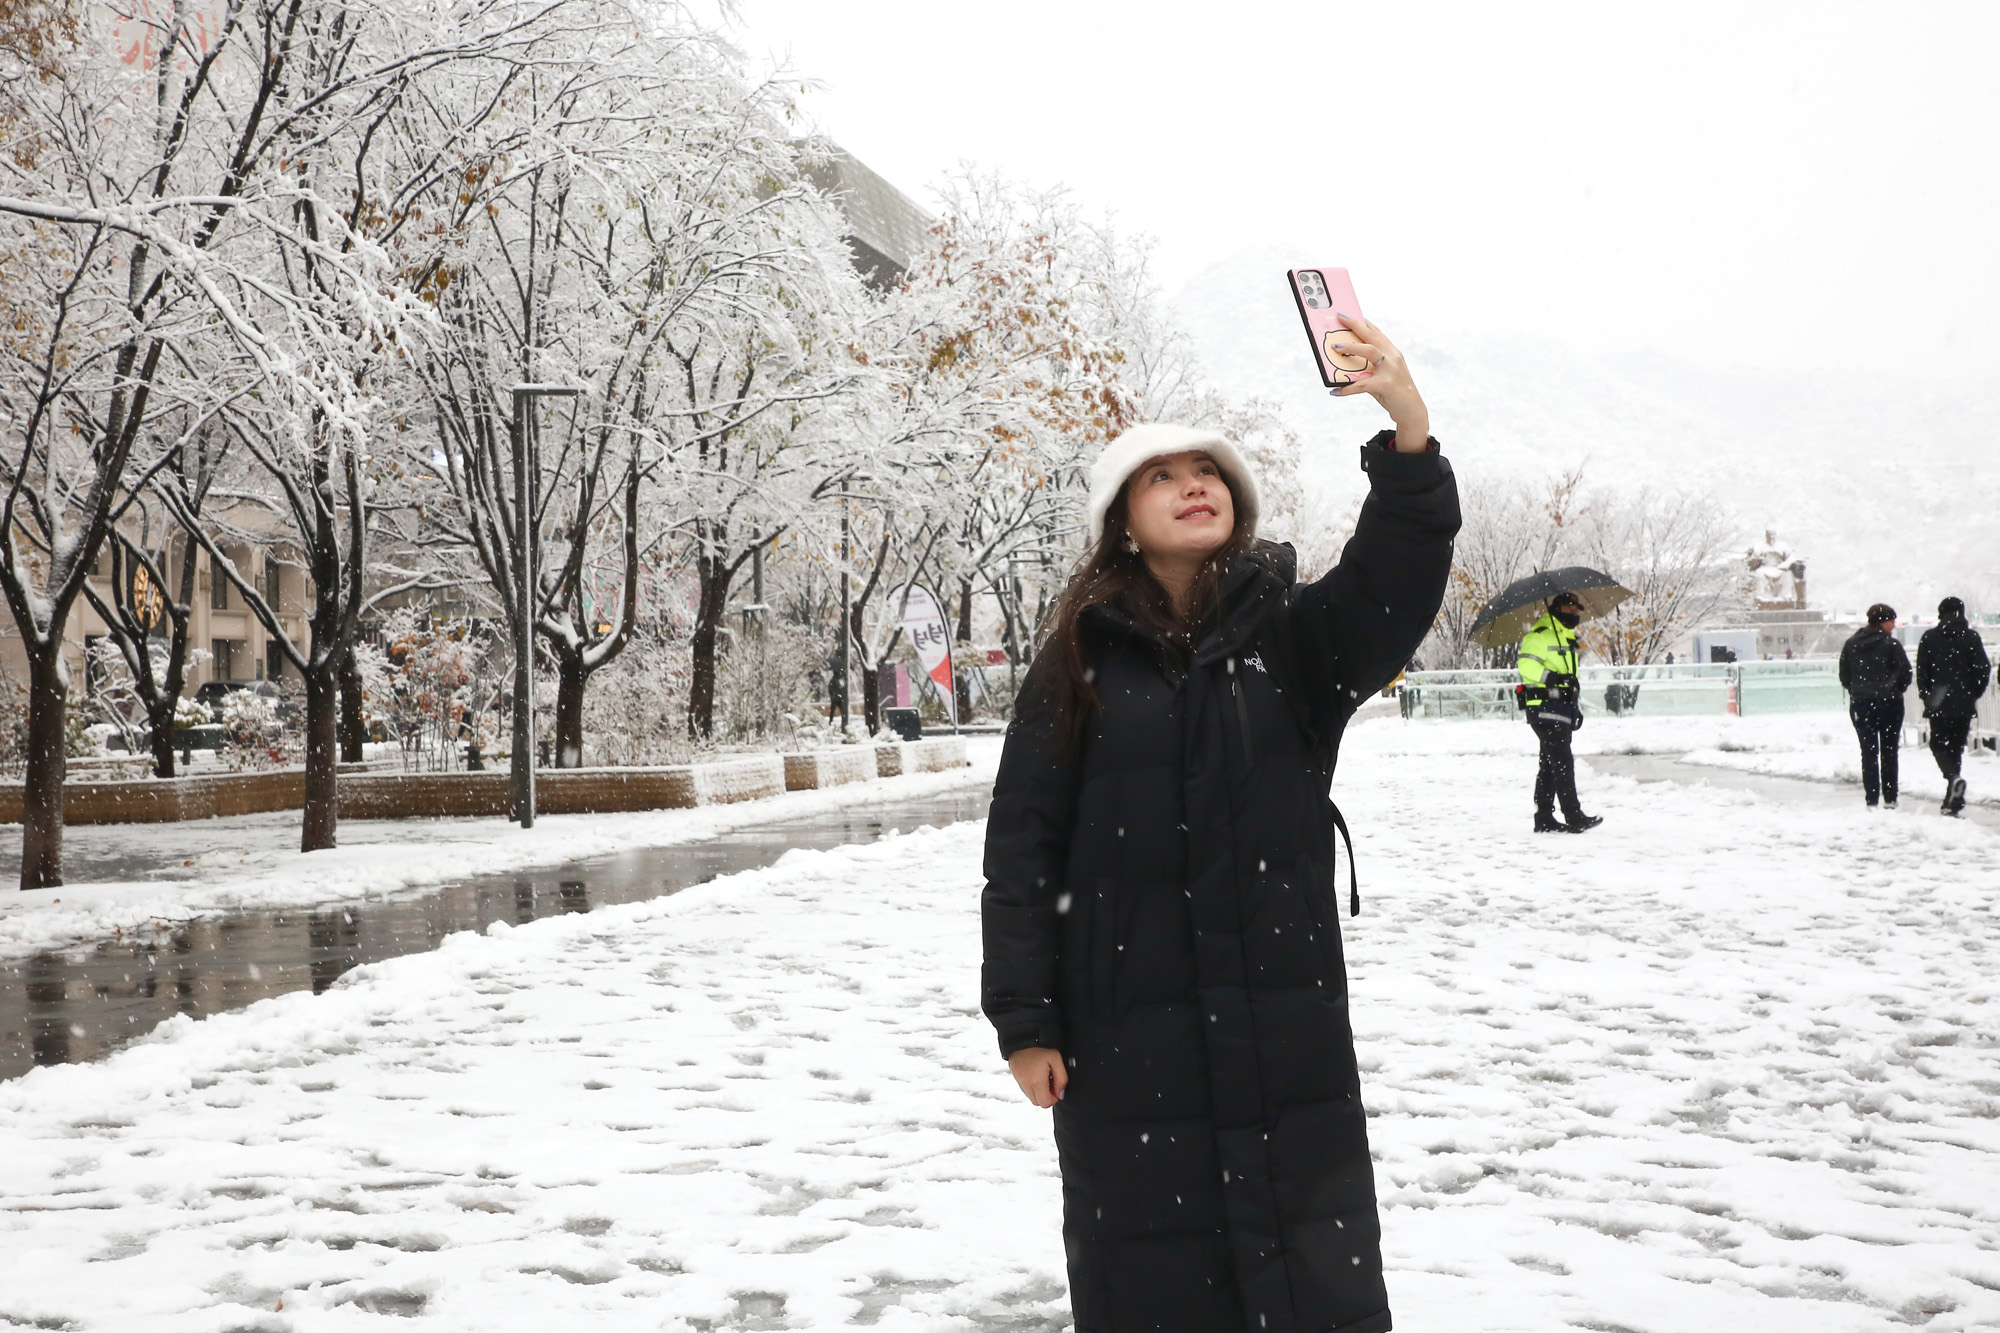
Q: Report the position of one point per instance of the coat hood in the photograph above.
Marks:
(1123, 456)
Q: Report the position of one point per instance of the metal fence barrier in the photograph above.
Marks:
(1682, 690)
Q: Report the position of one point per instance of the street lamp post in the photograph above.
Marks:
(521, 803)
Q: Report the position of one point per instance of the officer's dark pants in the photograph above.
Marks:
(1555, 780)
(1948, 743)
(1879, 725)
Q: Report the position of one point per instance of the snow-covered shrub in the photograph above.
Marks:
(113, 699)
(252, 736)
(635, 710)
(430, 682)
(761, 677)
(189, 713)
(814, 732)
(77, 741)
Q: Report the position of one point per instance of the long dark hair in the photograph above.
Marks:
(1110, 572)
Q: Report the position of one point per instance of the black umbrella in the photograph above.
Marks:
(1518, 605)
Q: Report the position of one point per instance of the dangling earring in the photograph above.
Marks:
(1131, 544)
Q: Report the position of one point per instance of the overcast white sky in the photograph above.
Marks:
(1767, 184)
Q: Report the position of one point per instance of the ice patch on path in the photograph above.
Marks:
(252, 864)
(1701, 1069)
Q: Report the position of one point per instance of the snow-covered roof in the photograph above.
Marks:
(887, 227)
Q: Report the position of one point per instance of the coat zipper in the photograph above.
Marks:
(1242, 713)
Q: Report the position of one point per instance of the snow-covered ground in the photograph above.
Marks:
(1816, 746)
(253, 861)
(1720, 1064)
(1828, 752)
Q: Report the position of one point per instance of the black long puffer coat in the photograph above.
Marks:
(1163, 910)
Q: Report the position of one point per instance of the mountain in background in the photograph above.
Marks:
(1878, 479)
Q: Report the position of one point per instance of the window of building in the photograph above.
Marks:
(218, 587)
(222, 659)
(274, 660)
(273, 585)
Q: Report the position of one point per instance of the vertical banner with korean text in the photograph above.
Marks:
(923, 621)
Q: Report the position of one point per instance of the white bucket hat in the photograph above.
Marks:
(1124, 455)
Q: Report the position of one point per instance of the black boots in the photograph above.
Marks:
(1954, 798)
(1577, 823)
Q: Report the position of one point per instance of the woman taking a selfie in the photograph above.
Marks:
(1162, 948)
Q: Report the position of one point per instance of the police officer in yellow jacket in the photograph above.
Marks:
(1551, 692)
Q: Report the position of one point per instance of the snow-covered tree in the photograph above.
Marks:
(310, 98)
(1512, 528)
(102, 255)
(148, 603)
(997, 391)
(1676, 551)
(633, 221)
(1672, 549)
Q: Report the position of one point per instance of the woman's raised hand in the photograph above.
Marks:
(1388, 381)
(1041, 1073)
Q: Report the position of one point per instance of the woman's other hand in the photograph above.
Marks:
(1041, 1073)
(1388, 380)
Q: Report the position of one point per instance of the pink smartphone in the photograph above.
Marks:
(1322, 295)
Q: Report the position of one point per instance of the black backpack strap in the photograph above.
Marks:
(1273, 642)
(1353, 880)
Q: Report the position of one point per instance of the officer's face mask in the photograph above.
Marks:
(1569, 619)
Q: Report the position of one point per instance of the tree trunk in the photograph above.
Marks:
(714, 576)
(701, 690)
(42, 794)
(871, 698)
(570, 681)
(871, 674)
(162, 722)
(322, 813)
(353, 726)
(180, 613)
(960, 654)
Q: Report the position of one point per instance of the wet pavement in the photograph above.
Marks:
(1792, 791)
(185, 850)
(82, 1003)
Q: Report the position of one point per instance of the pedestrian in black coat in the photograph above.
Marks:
(1952, 673)
(1162, 950)
(1875, 672)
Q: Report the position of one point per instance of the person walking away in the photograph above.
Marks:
(1952, 673)
(1875, 672)
(1163, 962)
(1552, 693)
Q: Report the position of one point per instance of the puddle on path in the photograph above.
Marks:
(82, 1003)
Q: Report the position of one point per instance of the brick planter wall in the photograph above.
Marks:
(927, 756)
(829, 768)
(421, 795)
(169, 800)
(740, 780)
(378, 795)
